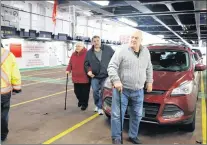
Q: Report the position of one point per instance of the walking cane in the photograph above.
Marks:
(66, 91)
(121, 116)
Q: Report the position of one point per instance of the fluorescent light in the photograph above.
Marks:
(161, 36)
(102, 3)
(127, 21)
(87, 13)
(43, 38)
(51, 2)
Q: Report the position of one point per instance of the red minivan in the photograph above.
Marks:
(175, 87)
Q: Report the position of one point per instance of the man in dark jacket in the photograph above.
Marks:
(96, 64)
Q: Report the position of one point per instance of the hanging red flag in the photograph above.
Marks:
(54, 13)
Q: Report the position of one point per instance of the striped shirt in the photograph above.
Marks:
(131, 70)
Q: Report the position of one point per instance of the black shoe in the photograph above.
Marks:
(3, 139)
(83, 108)
(135, 140)
(116, 141)
(79, 105)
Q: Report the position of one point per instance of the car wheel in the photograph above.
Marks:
(190, 127)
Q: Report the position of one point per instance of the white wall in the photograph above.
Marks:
(50, 53)
(39, 23)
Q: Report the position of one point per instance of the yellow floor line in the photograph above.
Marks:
(53, 139)
(39, 82)
(41, 74)
(203, 106)
(18, 104)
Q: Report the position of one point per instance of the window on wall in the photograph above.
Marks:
(81, 30)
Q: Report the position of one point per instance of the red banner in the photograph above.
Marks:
(54, 13)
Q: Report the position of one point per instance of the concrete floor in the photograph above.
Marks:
(36, 121)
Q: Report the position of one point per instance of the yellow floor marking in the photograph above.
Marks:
(203, 106)
(18, 104)
(39, 82)
(41, 74)
(53, 139)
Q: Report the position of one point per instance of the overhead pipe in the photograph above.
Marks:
(169, 25)
(148, 3)
(154, 13)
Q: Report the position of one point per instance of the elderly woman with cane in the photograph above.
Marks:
(79, 77)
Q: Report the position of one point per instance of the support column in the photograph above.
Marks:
(30, 10)
(87, 27)
(74, 21)
(200, 43)
(101, 28)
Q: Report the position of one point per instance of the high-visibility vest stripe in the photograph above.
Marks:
(3, 74)
(5, 77)
(6, 90)
(4, 56)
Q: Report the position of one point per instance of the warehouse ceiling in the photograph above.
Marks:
(178, 20)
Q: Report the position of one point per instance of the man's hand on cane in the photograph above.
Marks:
(67, 72)
(118, 85)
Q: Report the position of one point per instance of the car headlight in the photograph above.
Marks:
(185, 88)
(108, 83)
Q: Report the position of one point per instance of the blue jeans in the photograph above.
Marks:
(97, 86)
(135, 99)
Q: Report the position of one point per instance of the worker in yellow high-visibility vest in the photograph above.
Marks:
(10, 82)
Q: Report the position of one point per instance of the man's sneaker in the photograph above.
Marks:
(100, 111)
(135, 140)
(116, 141)
(96, 109)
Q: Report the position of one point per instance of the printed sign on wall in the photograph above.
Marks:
(35, 54)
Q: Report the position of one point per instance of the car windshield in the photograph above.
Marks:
(169, 60)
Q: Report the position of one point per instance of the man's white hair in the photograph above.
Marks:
(80, 43)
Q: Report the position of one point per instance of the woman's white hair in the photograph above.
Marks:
(80, 43)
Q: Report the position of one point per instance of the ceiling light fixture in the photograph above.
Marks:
(129, 22)
(51, 2)
(87, 13)
(102, 3)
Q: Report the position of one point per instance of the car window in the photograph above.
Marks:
(198, 51)
(196, 57)
(173, 60)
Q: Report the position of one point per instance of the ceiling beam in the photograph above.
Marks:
(114, 6)
(190, 31)
(167, 2)
(168, 25)
(144, 9)
(154, 13)
(148, 3)
(197, 19)
(170, 7)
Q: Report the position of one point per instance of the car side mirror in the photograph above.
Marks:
(200, 67)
